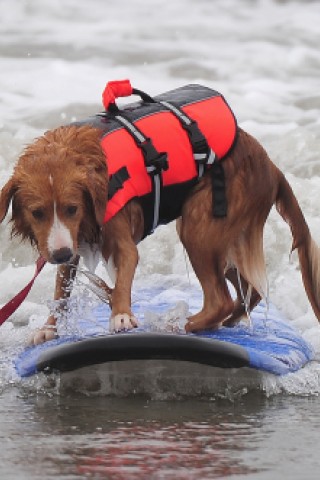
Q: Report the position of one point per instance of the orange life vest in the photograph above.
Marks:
(150, 140)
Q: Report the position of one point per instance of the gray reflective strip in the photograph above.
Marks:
(131, 127)
(175, 110)
(200, 170)
(199, 156)
(156, 209)
(211, 158)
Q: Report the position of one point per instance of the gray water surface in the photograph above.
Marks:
(73, 437)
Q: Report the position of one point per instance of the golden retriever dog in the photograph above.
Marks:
(59, 190)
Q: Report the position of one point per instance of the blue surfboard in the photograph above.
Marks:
(267, 343)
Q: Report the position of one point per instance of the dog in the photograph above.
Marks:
(59, 191)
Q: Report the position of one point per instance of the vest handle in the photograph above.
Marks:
(121, 88)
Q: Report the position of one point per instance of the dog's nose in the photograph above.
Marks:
(63, 255)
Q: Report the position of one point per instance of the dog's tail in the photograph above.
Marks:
(308, 251)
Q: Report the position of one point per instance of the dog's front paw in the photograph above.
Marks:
(44, 334)
(122, 322)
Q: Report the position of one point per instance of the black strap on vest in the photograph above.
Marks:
(220, 204)
(154, 161)
(202, 153)
(117, 180)
(203, 156)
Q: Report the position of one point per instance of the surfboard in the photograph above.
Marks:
(268, 342)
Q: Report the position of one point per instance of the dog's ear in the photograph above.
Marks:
(94, 182)
(90, 161)
(6, 196)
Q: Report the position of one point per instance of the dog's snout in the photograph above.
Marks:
(62, 255)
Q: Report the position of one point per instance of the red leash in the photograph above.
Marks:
(7, 310)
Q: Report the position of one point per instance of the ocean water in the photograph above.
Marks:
(263, 55)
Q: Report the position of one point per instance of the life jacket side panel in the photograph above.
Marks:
(214, 118)
(120, 149)
(217, 123)
(167, 136)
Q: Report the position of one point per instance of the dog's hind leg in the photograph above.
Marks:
(217, 301)
(247, 297)
(208, 263)
(247, 256)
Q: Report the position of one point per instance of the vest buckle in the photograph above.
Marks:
(154, 161)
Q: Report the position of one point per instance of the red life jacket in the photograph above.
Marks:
(154, 133)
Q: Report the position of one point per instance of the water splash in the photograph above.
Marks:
(170, 321)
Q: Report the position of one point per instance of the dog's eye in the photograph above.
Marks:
(71, 210)
(38, 214)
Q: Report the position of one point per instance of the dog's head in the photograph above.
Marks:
(58, 192)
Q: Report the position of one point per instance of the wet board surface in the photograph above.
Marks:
(268, 343)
